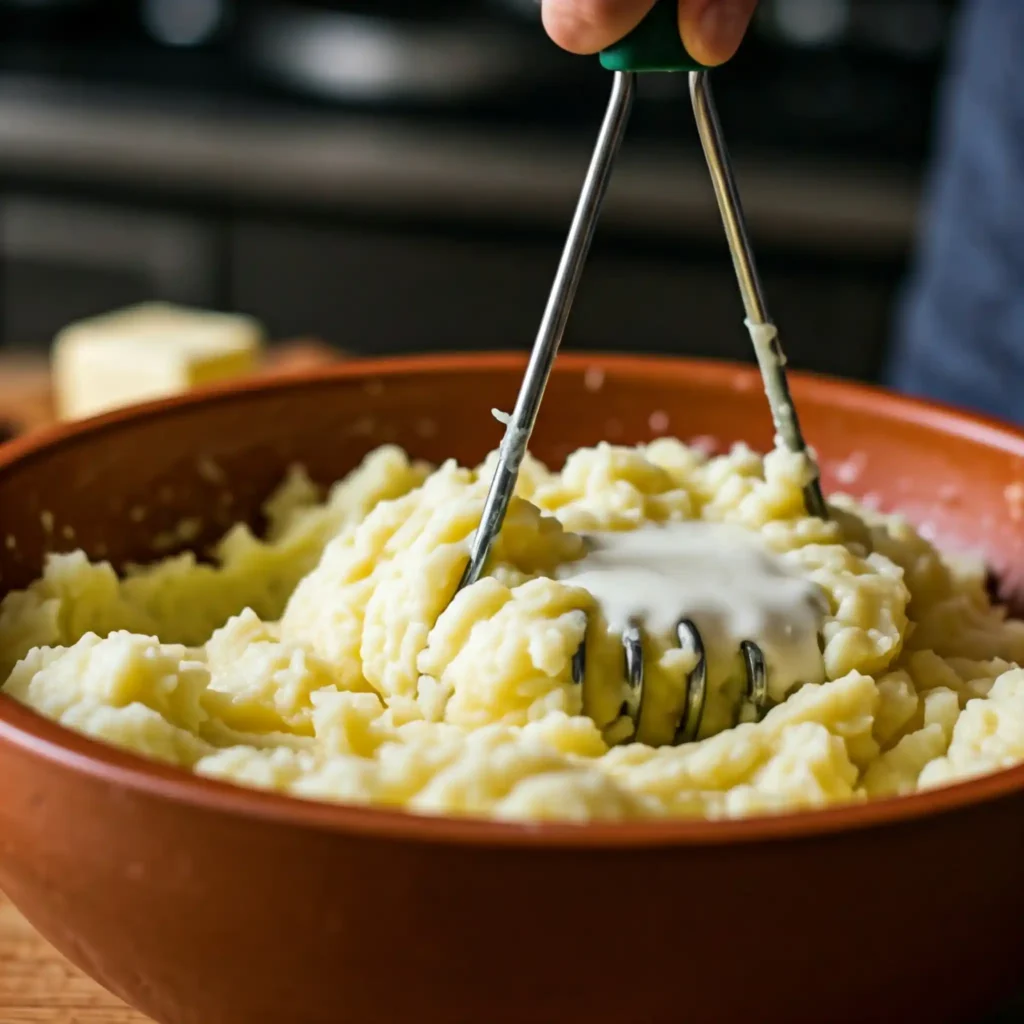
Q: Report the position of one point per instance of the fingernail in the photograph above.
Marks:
(721, 28)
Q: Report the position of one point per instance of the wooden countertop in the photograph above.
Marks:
(26, 401)
(38, 986)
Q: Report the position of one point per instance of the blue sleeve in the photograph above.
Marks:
(960, 330)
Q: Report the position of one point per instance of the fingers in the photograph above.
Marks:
(712, 30)
(586, 26)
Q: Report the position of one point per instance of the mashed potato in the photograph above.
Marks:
(330, 661)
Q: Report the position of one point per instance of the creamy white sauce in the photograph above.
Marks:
(721, 577)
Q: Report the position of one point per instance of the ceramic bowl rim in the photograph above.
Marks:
(38, 737)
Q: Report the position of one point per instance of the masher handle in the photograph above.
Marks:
(654, 45)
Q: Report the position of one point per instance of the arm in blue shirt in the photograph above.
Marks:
(960, 330)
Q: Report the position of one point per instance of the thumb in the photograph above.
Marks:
(712, 30)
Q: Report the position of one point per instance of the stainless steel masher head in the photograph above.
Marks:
(654, 46)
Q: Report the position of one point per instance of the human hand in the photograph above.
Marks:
(711, 29)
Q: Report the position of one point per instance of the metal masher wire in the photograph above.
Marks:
(552, 326)
(570, 269)
(771, 361)
(770, 357)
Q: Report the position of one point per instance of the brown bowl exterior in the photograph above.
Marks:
(200, 903)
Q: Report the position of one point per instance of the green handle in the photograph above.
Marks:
(654, 45)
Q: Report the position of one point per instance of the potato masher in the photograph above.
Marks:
(654, 46)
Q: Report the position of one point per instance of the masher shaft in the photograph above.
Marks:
(552, 326)
(710, 130)
(770, 357)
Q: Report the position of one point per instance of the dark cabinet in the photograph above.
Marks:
(62, 259)
(377, 291)
(401, 287)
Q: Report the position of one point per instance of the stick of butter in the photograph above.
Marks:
(148, 351)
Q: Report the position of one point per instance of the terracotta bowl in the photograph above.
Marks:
(200, 903)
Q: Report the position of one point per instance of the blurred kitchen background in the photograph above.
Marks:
(396, 176)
